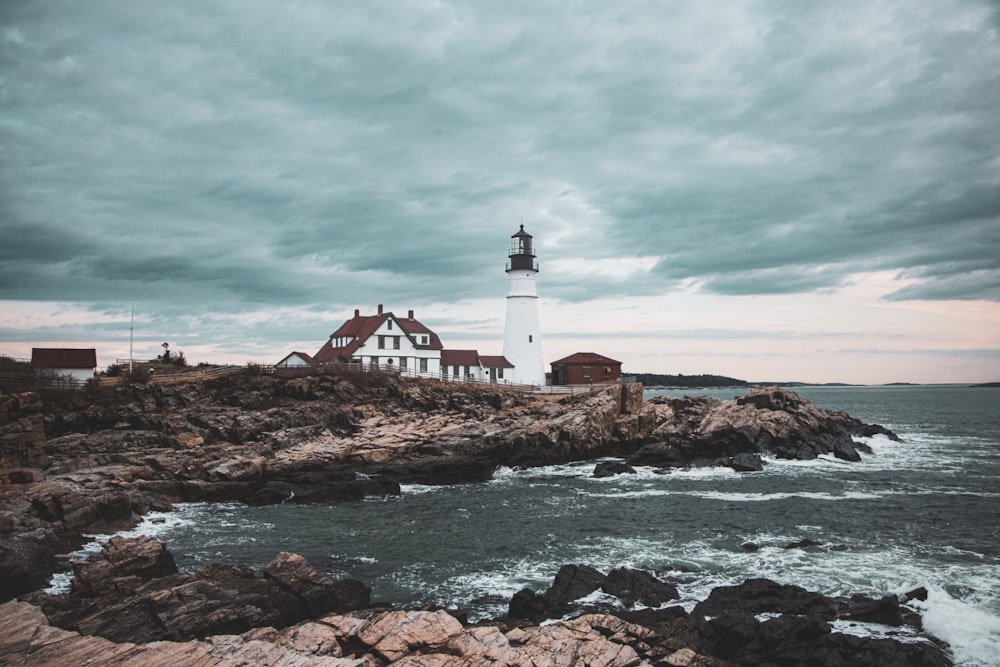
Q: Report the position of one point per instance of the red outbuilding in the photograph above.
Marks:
(586, 368)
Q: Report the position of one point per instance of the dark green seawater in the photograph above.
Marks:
(924, 512)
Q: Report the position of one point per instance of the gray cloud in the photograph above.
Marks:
(235, 156)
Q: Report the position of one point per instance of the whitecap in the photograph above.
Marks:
(971, 630)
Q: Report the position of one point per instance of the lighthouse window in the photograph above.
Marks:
(530, 338)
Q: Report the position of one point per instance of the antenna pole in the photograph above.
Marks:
(131, 336)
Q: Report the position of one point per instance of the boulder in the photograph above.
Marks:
(573, 582)
(757, 596)
(612, 468)
(319, 593)
(638, 586)
(141, 558)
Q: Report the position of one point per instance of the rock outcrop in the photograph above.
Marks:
(129, 607)
(131, 591)
(93, 463)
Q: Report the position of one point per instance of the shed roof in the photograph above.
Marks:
(459, 358)
(586, 358)
(305, 357)
(495, 361)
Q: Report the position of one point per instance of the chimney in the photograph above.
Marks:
(410, 315)
(357, 312)
(380, 309)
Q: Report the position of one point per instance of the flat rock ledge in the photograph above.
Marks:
(129, 606)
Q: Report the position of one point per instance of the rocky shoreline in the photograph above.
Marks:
(129, 606)
(75, 464)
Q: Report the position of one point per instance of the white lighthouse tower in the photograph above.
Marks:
(522, 336)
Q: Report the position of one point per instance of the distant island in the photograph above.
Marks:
(681, 380)
(987, 384)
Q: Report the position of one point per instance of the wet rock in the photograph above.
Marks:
(745, 462)
(637, 586)
(573, 582)
(756, 596)
(885, 610)
(612, 468)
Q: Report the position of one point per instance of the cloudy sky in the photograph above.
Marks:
(767, 190)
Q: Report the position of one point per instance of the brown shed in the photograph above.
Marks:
(586, 368)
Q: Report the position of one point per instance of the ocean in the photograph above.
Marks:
(921, 512)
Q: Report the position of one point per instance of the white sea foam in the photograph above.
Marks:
(761, 497)
(972, 631)
(417, 489)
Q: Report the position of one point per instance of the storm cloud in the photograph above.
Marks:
(242, 157)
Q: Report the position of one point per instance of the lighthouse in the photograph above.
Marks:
(522, 335)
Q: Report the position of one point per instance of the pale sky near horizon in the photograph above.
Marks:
(764, 190)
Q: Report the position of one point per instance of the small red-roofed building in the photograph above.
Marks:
(76, 364)
(296, 360)
(493, 367)
(586, 368)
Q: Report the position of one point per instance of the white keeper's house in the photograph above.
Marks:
(404, 344)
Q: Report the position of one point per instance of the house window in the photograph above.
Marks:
(467, 373)
(395, 342)
(423, 365)
(454, 371)
(586, 371)
(402, 363)
(607, 371)
(373, 361)
(388, 324)
(381, 342)
(500, 373)
(423, 340)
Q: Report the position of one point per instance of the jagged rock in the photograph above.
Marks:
(143, 558)
(612, 468)
(885, 610)
(319, 593)
(632, 586)
(395, 634)
(573, 582)
(528, 605)
(756, 596)
(745, 462)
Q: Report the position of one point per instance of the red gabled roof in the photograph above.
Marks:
(459, 358)
(45, 357)
(414, 328)
(363, 327)
(495, 362)
(305, 357)
(586, 358)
